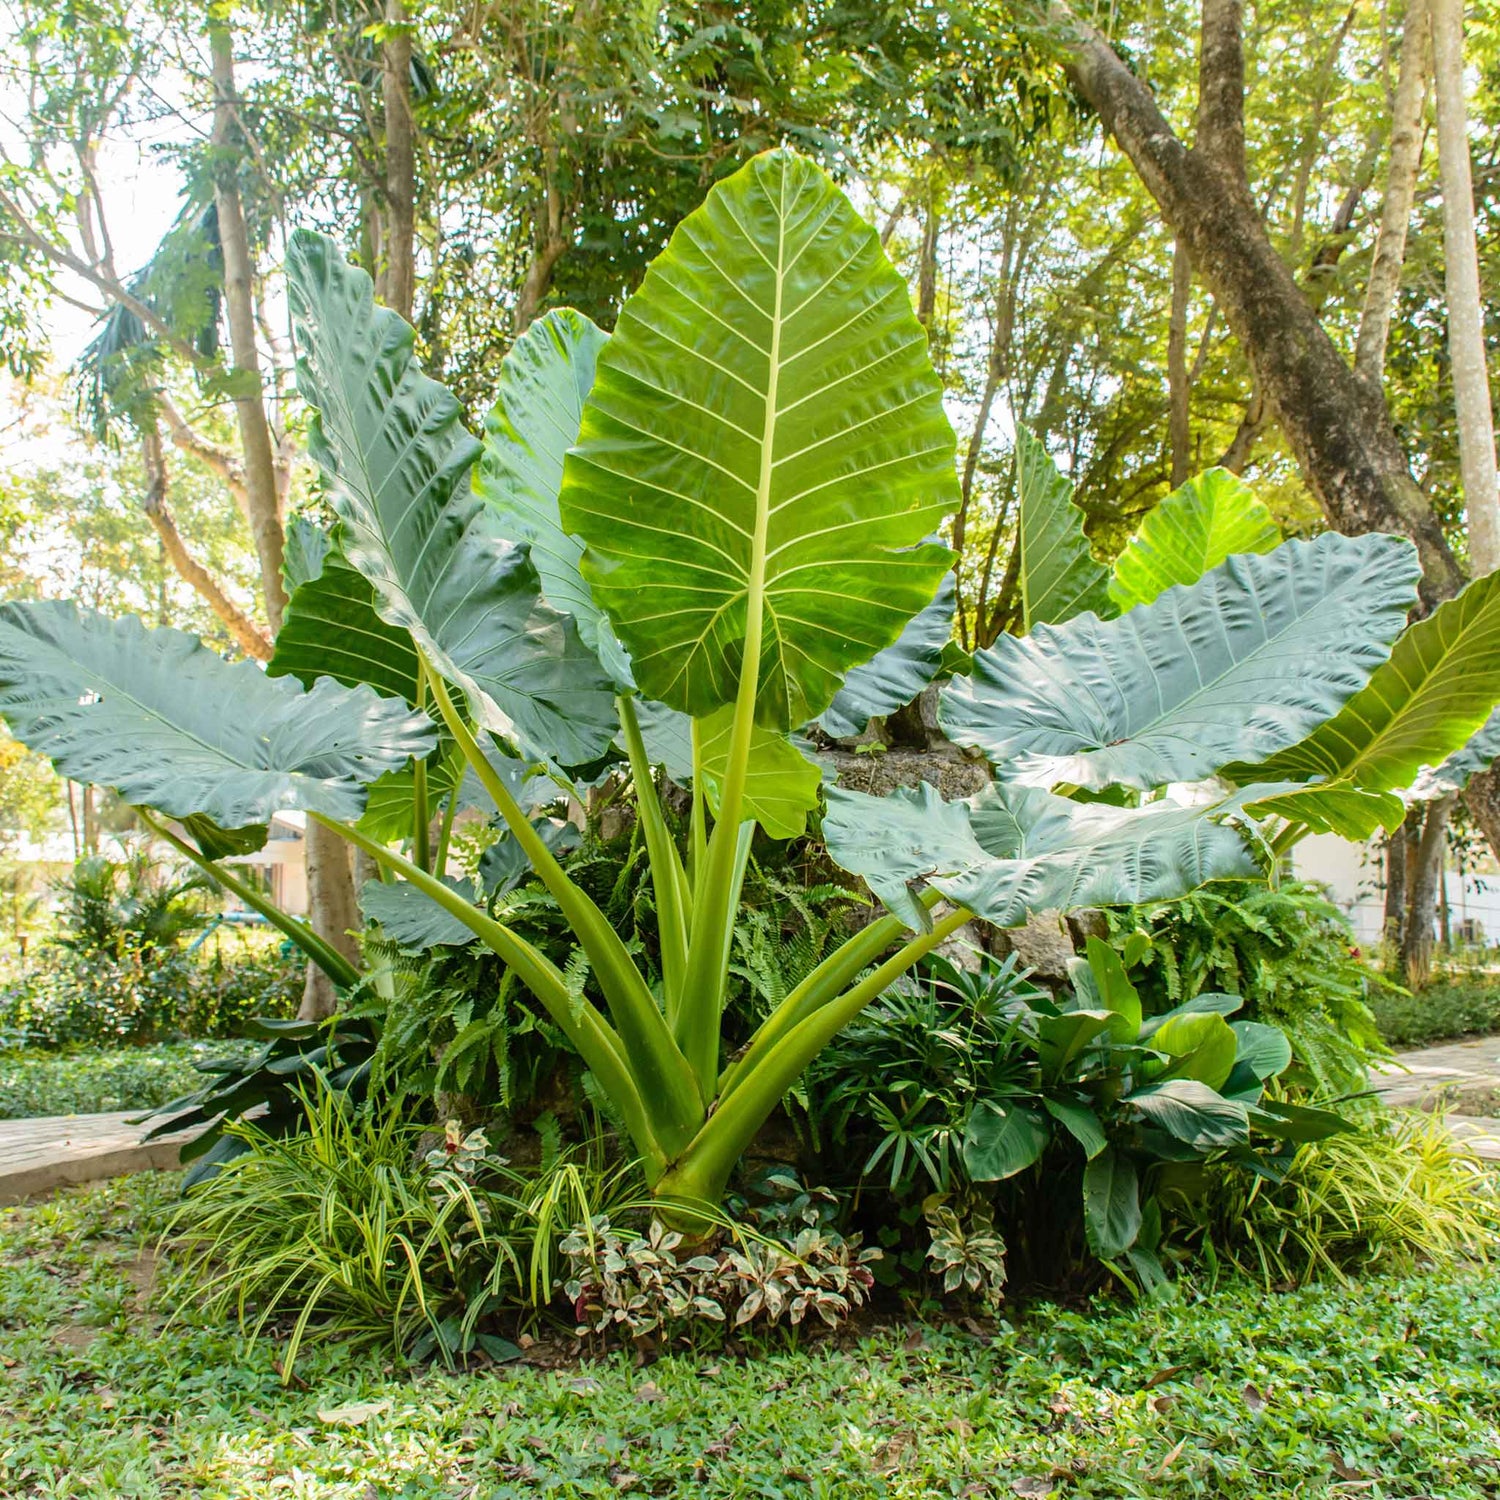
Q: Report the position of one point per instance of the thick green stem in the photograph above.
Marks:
(421, 852)
(698, 822)
(325, 955)
(445, 834)
(591, 1036)
(702, 1171)
(822, 985)
(666, 865)
(666, 1081)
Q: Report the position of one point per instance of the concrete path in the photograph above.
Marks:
(54, 1151)
(1419, 1080)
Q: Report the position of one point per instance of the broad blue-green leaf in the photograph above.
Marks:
(155, 714)
(544, 381)
(412, 919)
(781, 783)
(1212, 517)
(1001, 1140)
(1479, 754)
(397, 458)
(305, 546)
(1111, 1204)
(1011, 851)
(331, 629)
(893, 677)
(763, 452)
(1201, 1045)
(1438, 690)
(1194, 1113)
(1245, 662)
(1058, 575)
(505, 864)
(1080, 1122)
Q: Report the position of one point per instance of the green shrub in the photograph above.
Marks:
(1286, 950)
(136, 906)
(1455, 1005)
(1400, 1191)
(51, 1083)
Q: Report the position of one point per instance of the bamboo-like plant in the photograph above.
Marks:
(676, 546)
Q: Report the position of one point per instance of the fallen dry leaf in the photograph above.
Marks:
(355, 1414)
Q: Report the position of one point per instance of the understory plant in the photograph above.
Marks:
(678, 546)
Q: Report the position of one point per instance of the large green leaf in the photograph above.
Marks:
(331, 629)
(1059, 577)
(544, 382)
(1193, 1112)
(893, 677)
(764, 448)
(1211, 517)
(412, 919)
(397, 460)
(1111, 1204)
(1430, 700)
(1011, 851)
(1245, 662)
(1479, 754)
(155, 714)
(1003, 1139)
(1200, 1046)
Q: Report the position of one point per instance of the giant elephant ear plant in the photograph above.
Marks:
(704, 532)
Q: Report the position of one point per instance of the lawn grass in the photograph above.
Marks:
(1455, 1005)
(92, 1079)
(1383, 1389)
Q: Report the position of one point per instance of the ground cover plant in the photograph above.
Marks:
(113, 1078)
(1390, 1387)
(1454, 1006)
(690, 541)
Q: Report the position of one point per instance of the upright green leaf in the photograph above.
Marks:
(1111, 1204)
(893, 677)
(1059, 577)
(1256, 654)
(1434, 695)
(1212, 517)
(155, 714)
(393, 447)
(763, 452)
(544, 381)
(1201, 1046)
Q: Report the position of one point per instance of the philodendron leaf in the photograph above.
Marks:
(156, 715)
(331, 629)
(763, 452)
(1011, 851)
(544, 382)
(1194, 1113)
(1002, 1139)
(1245, 662)
(1211, 517)
(781, 783)
(397, 458)
(1428, 702)
(412, 919)
(1111, 1204)
(1058, 575)
(893, 677)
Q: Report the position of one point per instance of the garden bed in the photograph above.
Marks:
(93, 1080)
(1387, 1387)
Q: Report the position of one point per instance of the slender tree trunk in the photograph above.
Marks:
(1416, 947)
(1395, 210)
(1179, 422)
(1393, 930)
(400, 163)
(246, 633)
(1471, 385)
(927, 260)
(1340, 433)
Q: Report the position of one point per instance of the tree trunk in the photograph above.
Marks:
(246, 633)
(1395, 210)
(1338, 429)
(1416, 946)
(1179, 424)
(399, 281)
(1471, 385)
(927, 261)
(1393, 929)
(333, 912)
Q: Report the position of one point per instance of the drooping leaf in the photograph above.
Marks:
(224, 843)
(893, 677)
(1111, 1204)
(1435, 694)
(1194, 1113)
(1212, 517)
(1263, 1049)
(411, 918)
(1297, 1122)
(1257, 654)
(331, 629)
(1201, 1046)
(397, 459)
(305, 546)
(1080, 1122)
(170, 725)
(1011, 851)
(1059, 577)
(1063, 1038)
(504, 864)
(1349, 811)
(1001, 1140)
(544, 381)
(765, 436)
(1479, 754)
